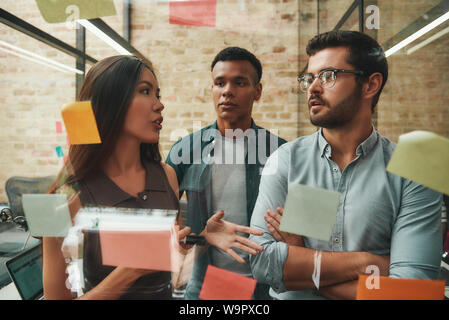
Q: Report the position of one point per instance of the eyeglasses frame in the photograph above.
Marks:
(336, 71)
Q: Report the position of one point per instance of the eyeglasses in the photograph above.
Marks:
(327, 78)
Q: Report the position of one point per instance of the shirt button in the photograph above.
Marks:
(335, 169)
(327, 149)
(144, 197)
(336, 240)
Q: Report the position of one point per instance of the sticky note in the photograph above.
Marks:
(59, 152)
(399, 289)
(67, 140)
(422, 157)
(220, 284)
(69, 10)
(58, 127)
(193, 13)
(47, 215)
(80, 123)
(142, 249)
(310, 211)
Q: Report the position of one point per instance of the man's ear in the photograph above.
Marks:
(258, 91)
(373, 85)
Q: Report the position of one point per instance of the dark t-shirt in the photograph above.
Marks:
(99, 190)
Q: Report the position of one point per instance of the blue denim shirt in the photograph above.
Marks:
(189, 158)
(379, 212)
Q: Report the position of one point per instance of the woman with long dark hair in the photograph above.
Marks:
(125, 170)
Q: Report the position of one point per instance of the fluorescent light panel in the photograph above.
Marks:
(32, 59)
(35, 57)
(429, 40)
(417, 34)
(103, 36)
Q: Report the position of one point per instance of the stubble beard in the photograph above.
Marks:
(340, 114)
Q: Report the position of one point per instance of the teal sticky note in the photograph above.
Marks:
(47, 215)
(310, 211)
(59, 152)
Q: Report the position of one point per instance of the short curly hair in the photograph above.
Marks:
(236, 53)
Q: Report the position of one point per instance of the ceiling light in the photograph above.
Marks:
(28, 55)
(417, 34)
(428, 40)
(103, 36)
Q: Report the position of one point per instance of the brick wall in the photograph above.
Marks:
(182, 56)
(31, 96)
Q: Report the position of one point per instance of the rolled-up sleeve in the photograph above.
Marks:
(267, 265)
(416, 244)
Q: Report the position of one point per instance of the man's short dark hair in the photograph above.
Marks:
(364, 53)
(235, 54)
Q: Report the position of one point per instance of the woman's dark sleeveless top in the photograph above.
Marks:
(99, 190)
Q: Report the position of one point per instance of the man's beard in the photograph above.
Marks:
(340, 114)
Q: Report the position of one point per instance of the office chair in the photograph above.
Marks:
(15, 187)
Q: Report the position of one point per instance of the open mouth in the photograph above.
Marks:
(315, 102)
(158, 122)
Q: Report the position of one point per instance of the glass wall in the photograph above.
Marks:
(181, 39)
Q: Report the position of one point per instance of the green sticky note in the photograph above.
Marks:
(310, 211)
(47, 215)
(422, 157)
(56, 11)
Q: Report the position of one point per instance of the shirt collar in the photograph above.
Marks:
(364, 148)
(214, 126)
(106, 192)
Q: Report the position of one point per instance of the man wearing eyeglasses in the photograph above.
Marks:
(384, 222)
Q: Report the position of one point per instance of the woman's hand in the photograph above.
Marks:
(273, 219)
(223, 235)
(182, 247)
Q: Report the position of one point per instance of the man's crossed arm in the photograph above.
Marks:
(338, 270)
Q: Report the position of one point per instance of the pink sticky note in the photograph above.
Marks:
(154, 250)
(67, 139)
(220, 284)
(58, 127)
(193, 13)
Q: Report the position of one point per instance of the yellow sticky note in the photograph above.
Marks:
(422, 157)
(70, 10)
(79, 121)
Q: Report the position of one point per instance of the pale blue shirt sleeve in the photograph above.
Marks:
(416, 243)
(267, 265)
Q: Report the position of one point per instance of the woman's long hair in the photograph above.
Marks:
(110, 86)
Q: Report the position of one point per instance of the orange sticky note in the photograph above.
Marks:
(154, 250)
(80, 123)
(220, 284)
(399, 289)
